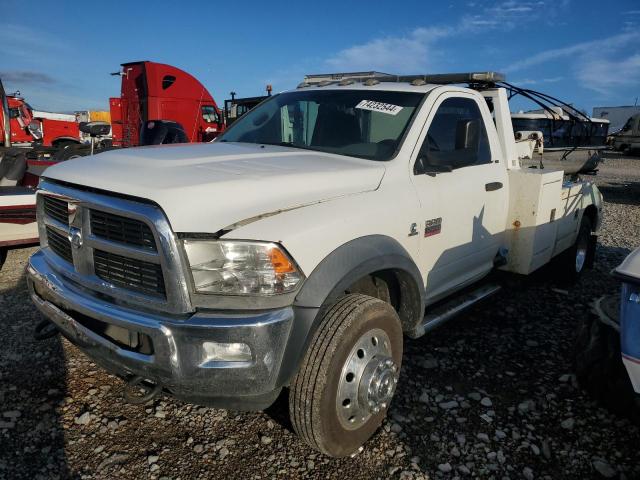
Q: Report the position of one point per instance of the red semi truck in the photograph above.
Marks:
(154, 91)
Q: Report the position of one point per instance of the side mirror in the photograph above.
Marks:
(424, 166)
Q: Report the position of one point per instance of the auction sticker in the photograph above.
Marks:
(387, 108)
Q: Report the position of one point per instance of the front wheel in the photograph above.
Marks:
(348, 377)
(575, 260)
(70, 152)
(3, 256)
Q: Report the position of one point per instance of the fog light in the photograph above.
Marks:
(226, 352)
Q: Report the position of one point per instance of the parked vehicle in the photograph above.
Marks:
(607, 352)
(155, 94)
(628, 139)
(40, 132)
(234, 107)
(19, 178)
(297, 249)
(94, 116)
(18, 226)
(617, 115)
(154, 91)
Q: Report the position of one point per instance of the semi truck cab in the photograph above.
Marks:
(153, 91)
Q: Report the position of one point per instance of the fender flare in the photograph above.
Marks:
(335, 273)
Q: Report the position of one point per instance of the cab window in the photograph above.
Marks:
(457, 136)
(209, 114)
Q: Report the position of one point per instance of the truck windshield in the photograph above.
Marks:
(360, 123)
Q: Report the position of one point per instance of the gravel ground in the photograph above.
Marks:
(489, 395)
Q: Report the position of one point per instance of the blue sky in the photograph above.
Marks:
(59, 54)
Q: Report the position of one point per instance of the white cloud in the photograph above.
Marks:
(602, 75)
(416, 51)
(529, 81)
(604, 45)
(408, 53)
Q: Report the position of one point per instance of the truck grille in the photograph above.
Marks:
(129, 273)
(122, 230)
(56, 208)
(122, 247)
(59, 244)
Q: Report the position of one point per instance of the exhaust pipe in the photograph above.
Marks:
(139, 390)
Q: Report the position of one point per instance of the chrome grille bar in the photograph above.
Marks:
(163, 261)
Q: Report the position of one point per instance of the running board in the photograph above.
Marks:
(453, 307)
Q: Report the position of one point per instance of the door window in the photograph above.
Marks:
(209, 114)
(457, 136)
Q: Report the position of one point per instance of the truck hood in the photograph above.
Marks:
(209, 187)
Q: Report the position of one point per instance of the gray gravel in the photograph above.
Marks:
(490, 395)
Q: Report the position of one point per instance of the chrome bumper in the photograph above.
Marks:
(177, 361)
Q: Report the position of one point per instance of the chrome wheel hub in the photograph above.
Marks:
(368, 380)
(581, 257)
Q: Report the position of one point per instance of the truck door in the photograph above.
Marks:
(461, 182)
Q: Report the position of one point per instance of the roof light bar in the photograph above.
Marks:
(371, 78)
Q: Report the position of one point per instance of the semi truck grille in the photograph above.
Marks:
(129, 273)
(121, 229)
(56, 208)
(59, 244)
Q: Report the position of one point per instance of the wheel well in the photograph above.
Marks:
(592, 213)
(59, 141)
(395, 287)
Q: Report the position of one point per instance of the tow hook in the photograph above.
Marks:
(139, 390)
(44, 330)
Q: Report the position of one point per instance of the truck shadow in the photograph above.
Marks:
(32, 389)
(625, 193)
(515, 350)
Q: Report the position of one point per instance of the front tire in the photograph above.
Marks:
(573, 262)
(70, 152)
(3, 256)
(347, 379)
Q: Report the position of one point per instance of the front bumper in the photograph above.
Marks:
(176, 359)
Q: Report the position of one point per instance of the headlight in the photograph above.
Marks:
(241, 268)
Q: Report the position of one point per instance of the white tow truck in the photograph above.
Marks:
(296, 250)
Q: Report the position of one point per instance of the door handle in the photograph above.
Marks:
(492, 186)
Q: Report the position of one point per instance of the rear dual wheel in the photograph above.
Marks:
(348, 377)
